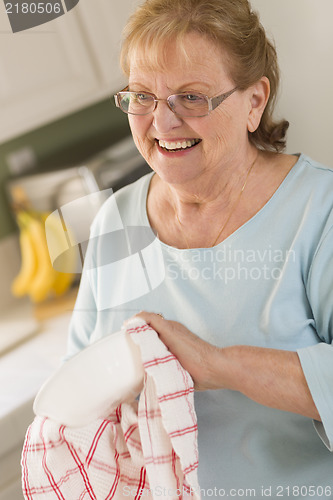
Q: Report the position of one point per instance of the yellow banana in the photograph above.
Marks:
(37, 277)
(62, 254)
(62, 283)
(45, 276)
(21, 283)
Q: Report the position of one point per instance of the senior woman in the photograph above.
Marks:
(245, 238)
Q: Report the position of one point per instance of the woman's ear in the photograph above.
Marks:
(258, 97)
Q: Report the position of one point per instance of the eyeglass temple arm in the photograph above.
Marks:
(116, 96)
(116, 100)
(216, 101)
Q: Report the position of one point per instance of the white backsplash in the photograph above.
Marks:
(10, 261)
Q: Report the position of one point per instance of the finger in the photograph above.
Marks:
(153, 319)
(149, 317)
(162, 327)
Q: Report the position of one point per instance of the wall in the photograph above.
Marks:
(302, 30)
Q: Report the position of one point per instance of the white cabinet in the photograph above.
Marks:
(59, 67)
(103, 21)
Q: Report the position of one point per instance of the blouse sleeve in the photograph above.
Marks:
(84, 316)
(317, 360)
(83, 319)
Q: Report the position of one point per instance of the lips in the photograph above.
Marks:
(177, 145)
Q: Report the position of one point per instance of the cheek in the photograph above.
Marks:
(230, 125)
(139, 127)
(216, 130)
(222, 131)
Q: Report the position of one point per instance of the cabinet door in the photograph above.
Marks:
(103, 22)
(45, 72)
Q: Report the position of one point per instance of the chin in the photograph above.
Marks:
(177, 170)
(176, 174)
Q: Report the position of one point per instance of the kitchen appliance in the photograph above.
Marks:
(109, 170)
(73, 196)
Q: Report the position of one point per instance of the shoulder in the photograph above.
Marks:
(310, 182)
(124, 207)
(133, 193)
(314, 181)
(312, 189)
(319, 172)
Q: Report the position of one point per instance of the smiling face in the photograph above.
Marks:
(184, 149)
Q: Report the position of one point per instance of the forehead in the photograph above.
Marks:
(194, 57)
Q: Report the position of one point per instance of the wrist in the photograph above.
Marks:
(221, 368)
(214, 369)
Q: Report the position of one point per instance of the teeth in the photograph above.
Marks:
(178, 145)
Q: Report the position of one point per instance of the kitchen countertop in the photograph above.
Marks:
(22, 372)
(17, 325)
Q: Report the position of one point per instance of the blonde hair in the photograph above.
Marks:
(232, 25)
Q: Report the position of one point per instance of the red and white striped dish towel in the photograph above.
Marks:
(145, 449)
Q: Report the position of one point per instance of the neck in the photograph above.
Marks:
(210, 192)
(197, 218)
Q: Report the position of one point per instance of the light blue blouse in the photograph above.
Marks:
(269, 284)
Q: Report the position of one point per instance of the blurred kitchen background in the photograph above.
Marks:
(61, 138)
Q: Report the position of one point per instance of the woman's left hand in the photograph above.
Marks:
(193, 353)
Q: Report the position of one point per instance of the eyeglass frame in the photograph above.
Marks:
(213, 102)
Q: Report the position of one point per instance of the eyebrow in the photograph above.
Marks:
(188, 86)
(181, 88)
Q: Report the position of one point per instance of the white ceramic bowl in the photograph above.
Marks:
(92, 383)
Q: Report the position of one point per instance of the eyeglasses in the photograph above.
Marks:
(185, 104)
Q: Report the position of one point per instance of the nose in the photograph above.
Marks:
(164, 119)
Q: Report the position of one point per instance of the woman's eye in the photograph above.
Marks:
(192, 97)
(142, 97)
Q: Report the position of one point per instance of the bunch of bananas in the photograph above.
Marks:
(37, 277)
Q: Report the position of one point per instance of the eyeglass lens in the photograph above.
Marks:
(141, 103)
